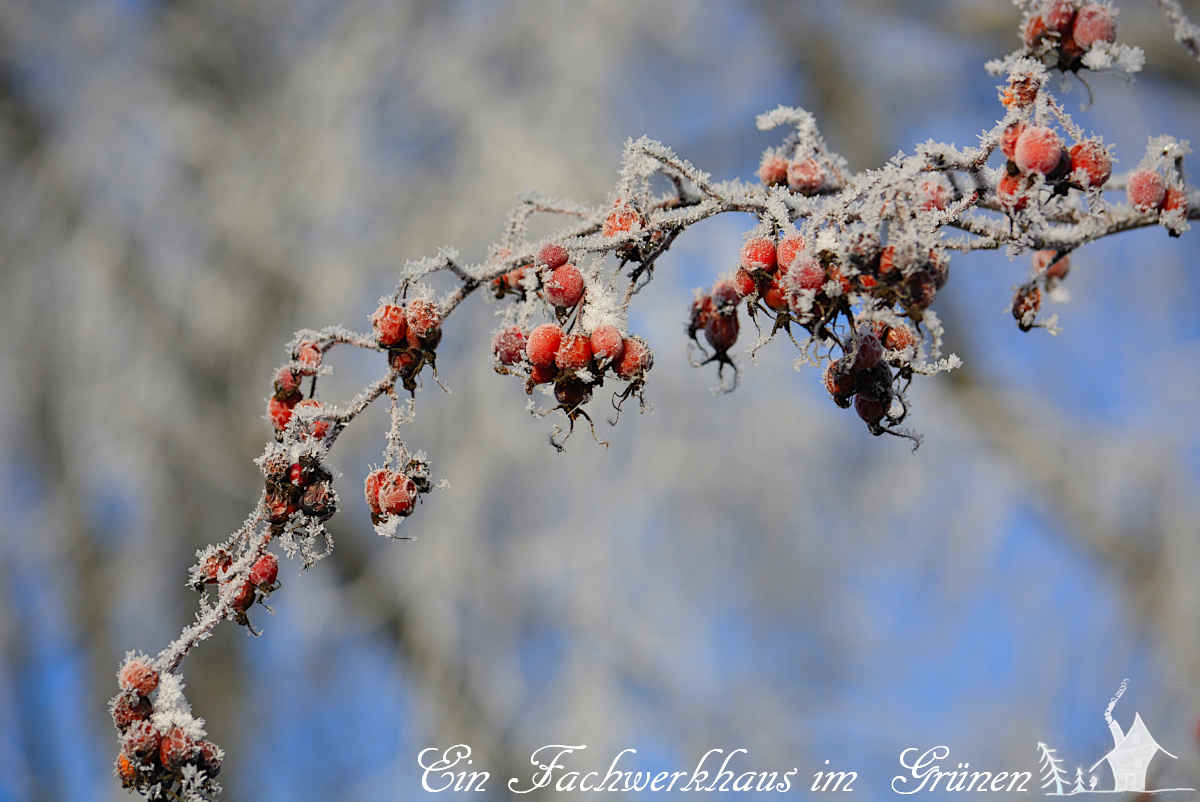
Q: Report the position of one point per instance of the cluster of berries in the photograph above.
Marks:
(557, 280)
(152, 755)
(258, 585)
(803, 173)
(394, 494)
(300, 485)
(1035, 151)
(411, 334)
(862, 376)
(306, 361)
(1063, 31)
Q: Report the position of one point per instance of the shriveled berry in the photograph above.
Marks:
(564, 288)
(208, 758)
(574, 352)
(1090, 163)
(571, 392)
(318, 501)
(287, 385)
(216, 564)
(126, 771)
(788, 249)
(139, 676)
(1038, 150)
(542, 345)
(265, 570)
(773, 169)
(128, 708)
(280, 412)
(141, 741)
(176, 749)
(607, 345)
(1146, 190)
(636, 360)
(868, 352)
(424, 319)
(722, 332)
(542, 374)
(374, 481)
(1094, 23)
(406, 362)
(1043, 262)
(1025, 306)
(725, 295)
(870, 409)
(758, 253)
(398, 495)
(839, 381)
(806, 176)
(553, 255)
(509, 345)
(390, 324)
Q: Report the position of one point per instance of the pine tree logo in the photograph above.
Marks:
(1128, 760)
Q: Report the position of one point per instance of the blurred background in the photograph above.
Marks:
(186, 183)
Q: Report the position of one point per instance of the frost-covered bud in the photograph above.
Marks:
(574, 352)
(509, 345)
(721, 331)
(390, 324)
(1038, 150)
(564, 288)
(553, 255)
(397, 495)
(1094, 23)
(424, 322)
(176, 748)
(265, 570)
(141, 741)
(1043, 262)
(758, 253)
(1025, 306)
(1090, 163)
(1146, 190)
(128, 708)
(773, 169)
(138, 675)
(636, 360)
(542, 345)
(806, 176)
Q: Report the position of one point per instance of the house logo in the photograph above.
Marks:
(1128, 761)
